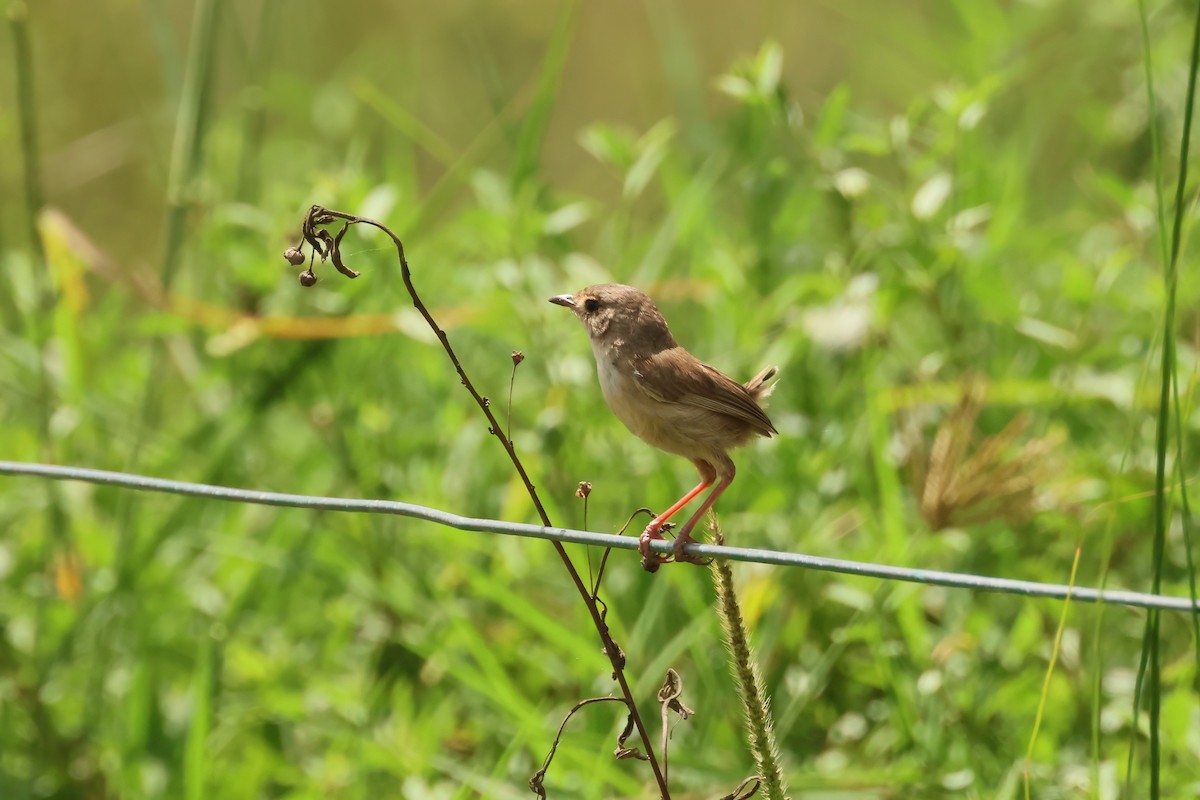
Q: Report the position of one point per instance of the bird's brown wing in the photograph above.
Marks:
(676, 376)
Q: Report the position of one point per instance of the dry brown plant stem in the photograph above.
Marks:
(323, 243)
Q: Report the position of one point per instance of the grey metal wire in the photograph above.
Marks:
(957, 580)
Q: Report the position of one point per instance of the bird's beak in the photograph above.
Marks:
(563, 300)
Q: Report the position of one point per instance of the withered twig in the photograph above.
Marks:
(744, 790)
(583, 491)
(318, 216)
(517, 358)
(668, 698)
(536, 782)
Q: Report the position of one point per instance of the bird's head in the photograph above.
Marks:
(618, 315)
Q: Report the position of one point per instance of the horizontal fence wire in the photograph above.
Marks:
(956, 580)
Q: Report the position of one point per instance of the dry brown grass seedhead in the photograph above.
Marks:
(962, 480)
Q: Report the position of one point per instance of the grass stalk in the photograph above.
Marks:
(1176, 239)
(18, 19)
(1150, 664)
(185, 159)
(1054, 653)
(38, 320)
(760, 729)
(537, 119)
(37, 324)
(189, 123)
(246, 187)
(196, 760)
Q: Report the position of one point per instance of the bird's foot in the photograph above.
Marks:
(650, 559)
(677, 551)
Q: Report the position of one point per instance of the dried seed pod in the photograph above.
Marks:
(294, 256)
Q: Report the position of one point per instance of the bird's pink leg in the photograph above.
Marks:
(654, 530)
(685, 532)
(708, 474)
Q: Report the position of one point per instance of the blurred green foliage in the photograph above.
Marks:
(883, 199)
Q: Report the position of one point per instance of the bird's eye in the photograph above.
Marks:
(591, 304)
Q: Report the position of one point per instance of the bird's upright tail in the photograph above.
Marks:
(758, 387)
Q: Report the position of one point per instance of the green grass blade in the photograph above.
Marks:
(1150, 658)
(1054, 654)
(189, 123)
(196, 754)
(533, 132)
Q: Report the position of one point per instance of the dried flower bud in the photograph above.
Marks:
(294, 256)
(585, 488)
(307, 278)
(517, 357)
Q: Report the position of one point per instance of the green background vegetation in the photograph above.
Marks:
(886, 199)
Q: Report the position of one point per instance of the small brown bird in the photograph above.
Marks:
(667, 397)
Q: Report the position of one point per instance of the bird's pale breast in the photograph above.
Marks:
(678, 428)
